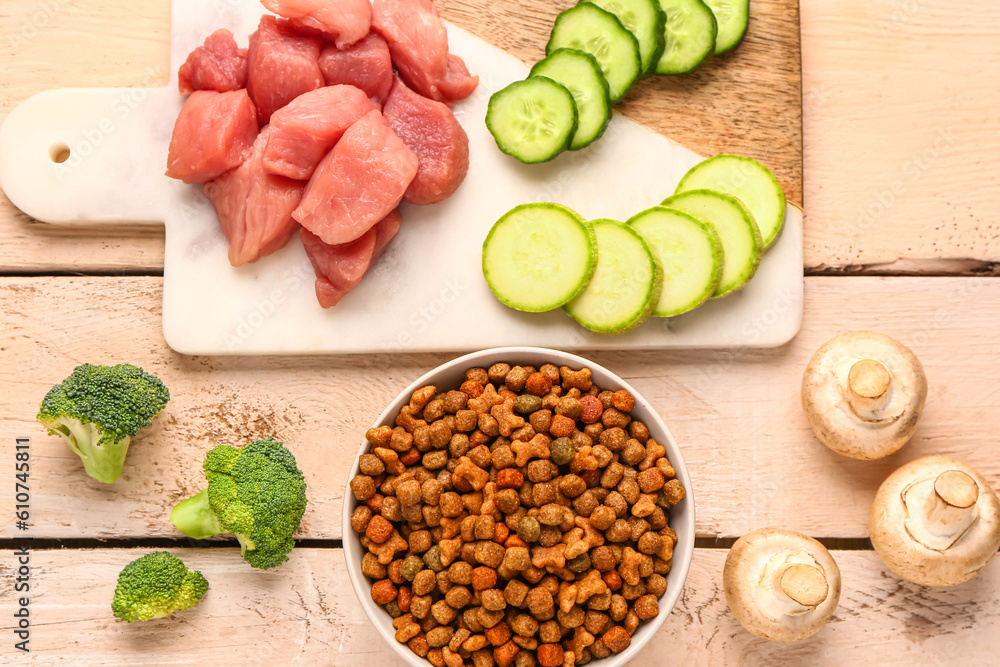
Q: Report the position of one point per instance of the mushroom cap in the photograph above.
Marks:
(912, 560)
(768, 555)
(825, 388)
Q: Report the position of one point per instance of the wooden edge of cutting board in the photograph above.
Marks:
(748, 101)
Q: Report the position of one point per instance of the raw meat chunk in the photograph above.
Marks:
(365, 64)
(339, 268)
(218, 65)
(358, 183)
(418, 42)
(255, 207)
(214, 132)
(431, 130)
(305, 130)
(345, 21)
(458, 83)
(282, 64)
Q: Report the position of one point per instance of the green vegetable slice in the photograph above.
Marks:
(587, 27)
(747, 180)
(690, 251)
(733, 16)
(539, 256)
(741, 243)
(581, 75)
(646, 21)
(626, 283)
(532, 120)
(689, 34)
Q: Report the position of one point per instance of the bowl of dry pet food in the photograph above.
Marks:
(518, 506)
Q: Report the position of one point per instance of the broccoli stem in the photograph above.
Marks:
(102, 462)
(195, 518)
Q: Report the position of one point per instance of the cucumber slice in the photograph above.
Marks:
(593, 30)
(625, 286)
(690, 36)
(539, 256)
(532, 120)
(740, 237)
(646, 21)
(732, 17)
(581, 75)
(747, 180)
(690, 251)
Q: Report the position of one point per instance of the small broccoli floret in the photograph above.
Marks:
(98, 409)
(257, 493)
(156, 585)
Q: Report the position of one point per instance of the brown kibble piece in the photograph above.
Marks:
(363, 487)
(623, 400)
(538, 384)
(383, 592)
(562, 426)
(616, 639)
(498, 634)
(483, 578)
(673, 492)
(504, 655)
(550, 655)
(379, 529)
(537, 447)
(470, 472)
(577, 379)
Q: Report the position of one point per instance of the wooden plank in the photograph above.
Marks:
(735, 412)
(47, 44)
(747, 102)
(305, 612)
(898, 124)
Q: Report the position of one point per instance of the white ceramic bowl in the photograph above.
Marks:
(450, 376)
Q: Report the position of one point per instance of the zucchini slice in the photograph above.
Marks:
(587, 27)
(733, 16)
(539, 256)
(646, 21)
(532, 120)
(690, 36)
(626, 283)
(690, 251)
(581, 75)
(747, 180)
(737, 230)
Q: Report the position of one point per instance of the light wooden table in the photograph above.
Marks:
(902, 151)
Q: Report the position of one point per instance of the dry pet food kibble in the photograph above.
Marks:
(519, 520)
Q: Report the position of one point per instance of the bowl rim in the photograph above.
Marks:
(683, 554)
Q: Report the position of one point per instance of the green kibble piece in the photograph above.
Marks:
(433, 559)
(528, 529)
(526, 404)
(561, 451)
(661, 501)
(579, 564)
(411, 565)
(393, 609)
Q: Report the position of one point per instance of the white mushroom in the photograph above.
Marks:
(935, 522)
(780, 584)
(863, 393)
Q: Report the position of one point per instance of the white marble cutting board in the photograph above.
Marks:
(427, 293)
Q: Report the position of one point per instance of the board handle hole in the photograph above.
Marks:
(59, 153)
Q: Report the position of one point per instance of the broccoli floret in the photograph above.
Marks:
(256, 493)
(98, 409)
(156, 585)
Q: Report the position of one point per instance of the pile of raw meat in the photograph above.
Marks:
(311, 129)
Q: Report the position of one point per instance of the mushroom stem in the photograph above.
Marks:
(941, 510)
(805, 584)
(956, 488)
(868, 385)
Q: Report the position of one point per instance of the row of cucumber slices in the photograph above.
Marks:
(596, 51)
(705, 241)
